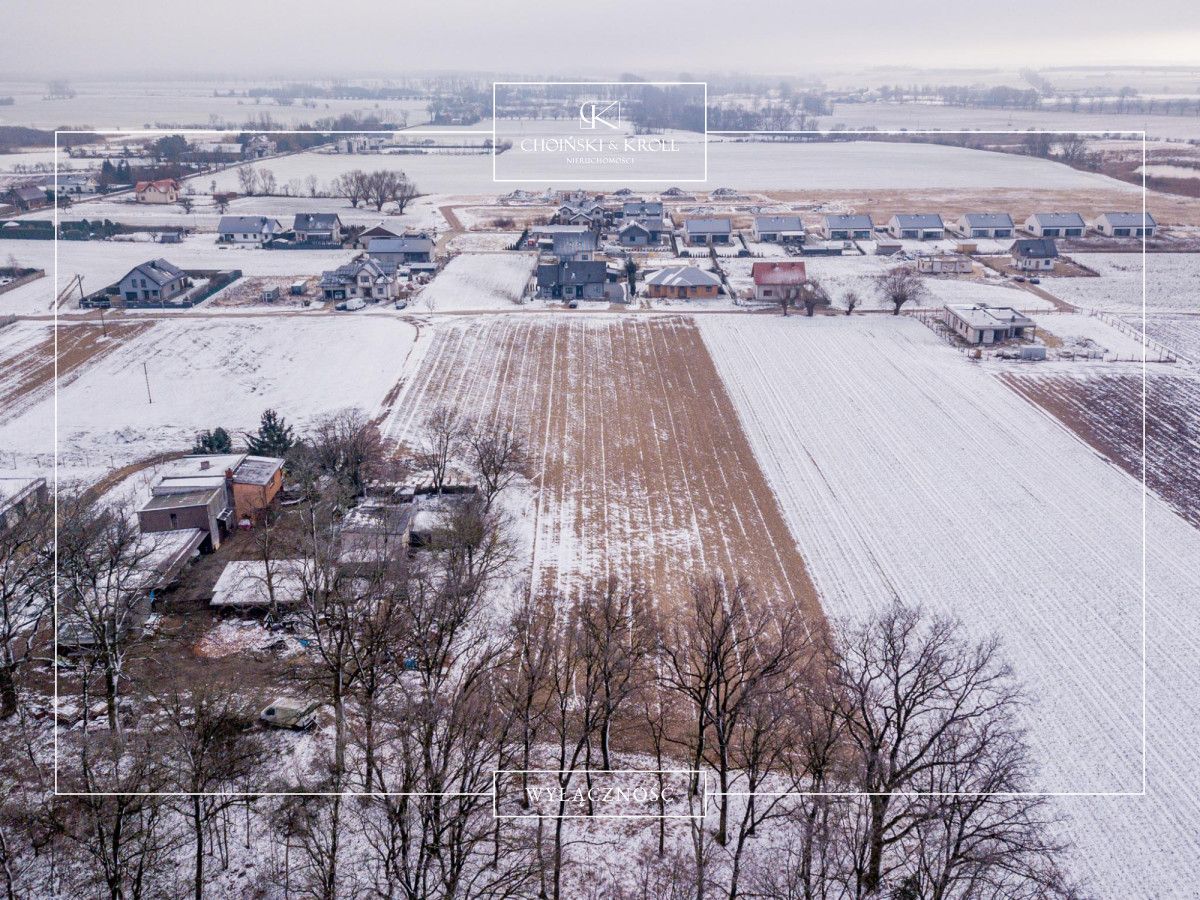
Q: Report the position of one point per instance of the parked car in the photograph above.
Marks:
(1033, 279)
(354, 304)
(285, 712)
(401, 304)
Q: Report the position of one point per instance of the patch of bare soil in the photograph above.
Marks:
(640, 462)
(1106, 412)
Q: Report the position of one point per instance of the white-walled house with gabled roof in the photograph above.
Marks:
(1125, 224)
(917, 226)
(1056, 224)
(253, 231)
(985, 225)
(848, 227)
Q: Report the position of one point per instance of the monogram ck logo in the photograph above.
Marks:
(599, 112)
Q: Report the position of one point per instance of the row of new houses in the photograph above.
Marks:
(931, 226)
(642, 223)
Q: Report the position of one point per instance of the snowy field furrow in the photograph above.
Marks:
(903, 471)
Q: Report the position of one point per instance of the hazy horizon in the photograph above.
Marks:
(222, 39)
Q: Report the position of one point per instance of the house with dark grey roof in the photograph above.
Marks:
(153, 283)
(391, 253)
(985, 225)
(917, 226)
(1126, 224)
(377, 231)
(1034, 254)
(588, 211)
(778, 229)
(318, 229)
(573, 279)
(638, 209)
(854, 227)
(644, 232)
(704, 232)
(1056, 224)
(26, 197)
(360, 278)
(563, 241)
(249, 230)
(683, 283)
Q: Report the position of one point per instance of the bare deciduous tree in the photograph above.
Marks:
(497, 457)
(899, 286)
(726, 652)
(440, 439)
(26, 594)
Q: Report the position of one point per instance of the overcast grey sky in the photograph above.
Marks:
(323, 38)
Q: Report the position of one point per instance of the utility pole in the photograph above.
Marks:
(146, 373)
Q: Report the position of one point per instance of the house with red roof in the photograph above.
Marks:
(165, 190)
(772, 279)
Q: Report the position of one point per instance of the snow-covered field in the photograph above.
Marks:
(203, 373)
(479, 281)
(915, 116)
(905, 472)
(1172, 282)
(877, 164)
(745, 164)
(1082, 332)
(103, 262)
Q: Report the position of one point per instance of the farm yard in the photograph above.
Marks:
(640, 465)
(909, 475)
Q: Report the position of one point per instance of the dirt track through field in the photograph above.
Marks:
(638, 454)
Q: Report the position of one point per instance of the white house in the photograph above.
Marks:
(701, 232)
(778, 229)
(250, 230)
(855, 227)
(165, 190)
(364, 278)
(917, 227)
(1056, 224)
(1034, 254)
(1126, 224)
(152, 282)
(985, 225)
(983, 324)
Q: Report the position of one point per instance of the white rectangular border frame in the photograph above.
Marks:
(1134, 133)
